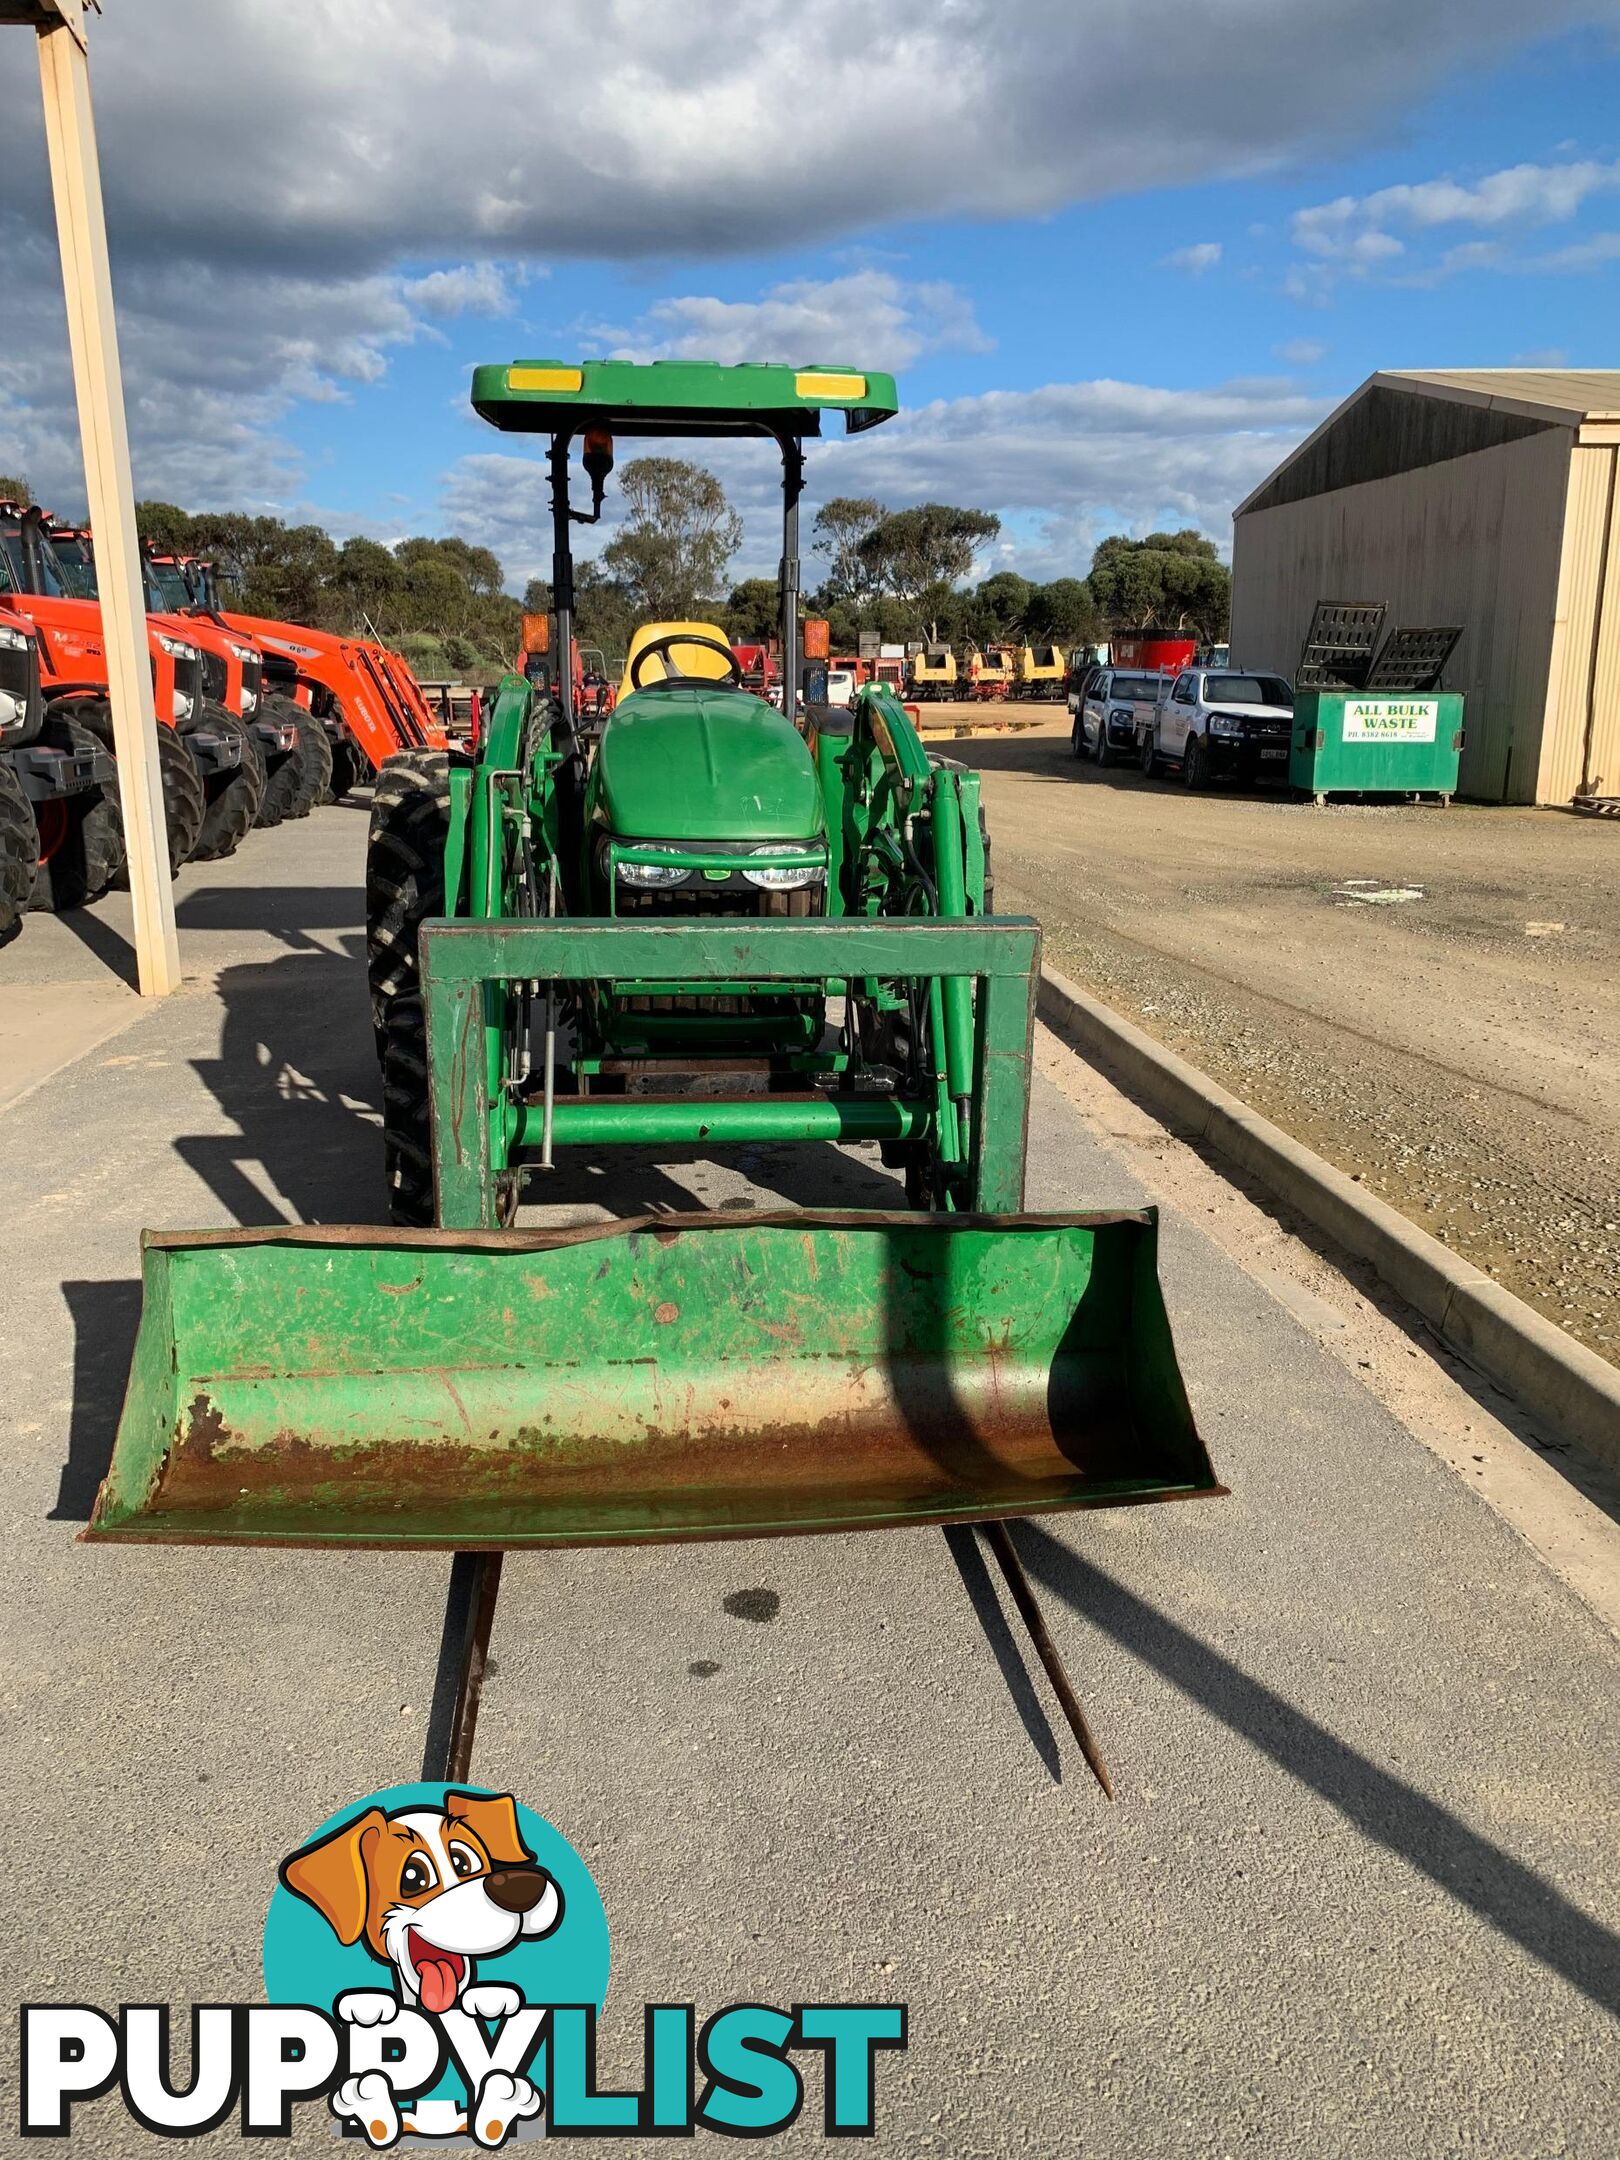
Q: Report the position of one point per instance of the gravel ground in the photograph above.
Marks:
(1426, 997)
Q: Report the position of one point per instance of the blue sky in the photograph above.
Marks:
(1086, 340)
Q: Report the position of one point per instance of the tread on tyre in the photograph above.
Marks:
(88, 852)
(232, 798)
(285, 778)
(19, 850)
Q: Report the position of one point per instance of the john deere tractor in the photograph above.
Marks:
(701, 809)
(713, 922)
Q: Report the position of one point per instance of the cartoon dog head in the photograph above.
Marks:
(428, 1889)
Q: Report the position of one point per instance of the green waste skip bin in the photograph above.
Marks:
(1366, 742)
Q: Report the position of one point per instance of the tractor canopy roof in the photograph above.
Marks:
(677, 397)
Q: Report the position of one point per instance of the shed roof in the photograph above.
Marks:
(1379, 429)
(1570, 395)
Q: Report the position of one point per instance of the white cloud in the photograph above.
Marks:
(1350, 236)
(213, 362)
(1301, 352)
(363, 136)
(1201, 256)
(296, 188)
(1517, 195)
(1061, 465)
(469, 289)
(1589, 254)
(870, 317)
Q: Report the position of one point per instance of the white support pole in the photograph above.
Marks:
(82, 229)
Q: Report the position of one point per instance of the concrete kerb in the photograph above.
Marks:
(1569, 1388)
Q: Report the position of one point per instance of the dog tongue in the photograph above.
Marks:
(436, 1980)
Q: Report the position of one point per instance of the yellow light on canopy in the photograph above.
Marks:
(815, 383)
(568, 379)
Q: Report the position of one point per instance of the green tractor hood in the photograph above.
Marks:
(705, 763)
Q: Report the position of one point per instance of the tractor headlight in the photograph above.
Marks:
(13, 710)
(176, 648)
(786, 878)
(182, 705)
(244, 653)
(13, 640)
(1225, 723)
(647, 874)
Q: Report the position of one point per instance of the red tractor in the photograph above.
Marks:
(202, 748)
(364, 697)
(61, 832)
(265, 782)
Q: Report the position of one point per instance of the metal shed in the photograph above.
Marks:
(1484, 497)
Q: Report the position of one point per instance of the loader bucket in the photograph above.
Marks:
(673, 1377)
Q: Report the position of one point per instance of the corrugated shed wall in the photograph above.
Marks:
(1475, 541)
(1582, 739)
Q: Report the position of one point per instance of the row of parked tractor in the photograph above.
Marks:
(258, 720)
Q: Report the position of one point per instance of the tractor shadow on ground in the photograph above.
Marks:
(638, 1181)
(297, 1077)
(1383, 1808)
(287, 912)
(104, 1316)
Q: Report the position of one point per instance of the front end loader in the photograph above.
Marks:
(712, 923)
(358, 695)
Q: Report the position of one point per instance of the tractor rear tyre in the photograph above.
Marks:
(410, 821)
(19, 850)
(407, 1126)
(273, 800)
(253, 754)
(315, 761)
(185, 798)
(232, 797)
(350, 767)
(82, 837)
(184, 802)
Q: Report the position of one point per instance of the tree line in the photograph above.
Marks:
(904, 574)
(901, 573)
(441, 602)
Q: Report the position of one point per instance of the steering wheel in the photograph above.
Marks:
(660, 646)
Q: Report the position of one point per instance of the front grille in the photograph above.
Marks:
(252, 680)
(188, 680)
(213, 676)
(738, 900)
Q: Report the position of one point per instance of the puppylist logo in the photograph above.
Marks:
(435, 1960)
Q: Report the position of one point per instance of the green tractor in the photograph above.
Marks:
(710, 923)
(700, 806)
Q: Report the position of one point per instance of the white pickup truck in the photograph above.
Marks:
(1218, 723)
(1117, 704)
